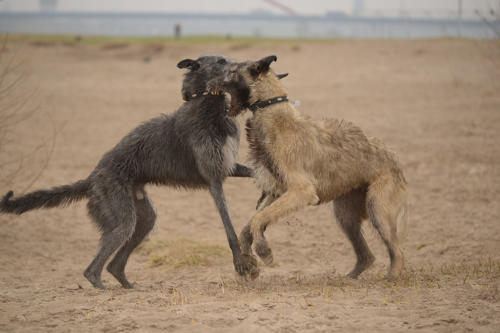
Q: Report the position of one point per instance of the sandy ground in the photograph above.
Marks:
(436, 103)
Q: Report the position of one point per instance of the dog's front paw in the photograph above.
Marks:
(249, 268)
(264, 251)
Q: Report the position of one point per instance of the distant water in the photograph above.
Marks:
(143, 24)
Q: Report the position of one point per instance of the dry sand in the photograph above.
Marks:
(436, 103)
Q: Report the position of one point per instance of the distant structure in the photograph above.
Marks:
(48, 5)
(358, 7)
(177, 31)
(282, 7)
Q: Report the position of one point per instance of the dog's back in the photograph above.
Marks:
(336, 154)
(166, 149)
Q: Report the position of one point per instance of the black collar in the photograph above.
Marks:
(262, 104)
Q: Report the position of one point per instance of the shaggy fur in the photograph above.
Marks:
(299, 162)
(194, 148)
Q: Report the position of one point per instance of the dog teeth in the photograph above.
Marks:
(205, 93)
(194, 95)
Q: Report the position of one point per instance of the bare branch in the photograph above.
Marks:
(48, 154)
(15, 108)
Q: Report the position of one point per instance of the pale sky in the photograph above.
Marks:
(307, 7)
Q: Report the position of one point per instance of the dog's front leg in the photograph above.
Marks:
(246, 239)
(220, 201)
(294, 199)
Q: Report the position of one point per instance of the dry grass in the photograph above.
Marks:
(181, 252)
(483, 275)
(238, 42)
(185, 252)
(309, 291)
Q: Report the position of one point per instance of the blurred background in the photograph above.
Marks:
(400, 19)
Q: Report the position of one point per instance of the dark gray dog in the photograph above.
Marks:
(195, 147)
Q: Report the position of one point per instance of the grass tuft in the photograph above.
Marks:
(182, 252)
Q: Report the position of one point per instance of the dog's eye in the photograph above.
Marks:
(222, 61)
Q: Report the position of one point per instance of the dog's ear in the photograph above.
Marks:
(189, 63)
(262, 65)
(281, 76)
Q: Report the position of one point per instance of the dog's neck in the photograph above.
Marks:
(266, 91)
(265, 88)
(268, 102)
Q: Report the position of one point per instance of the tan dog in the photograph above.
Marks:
(300, 162)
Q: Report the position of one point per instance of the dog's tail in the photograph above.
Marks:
(56, 196)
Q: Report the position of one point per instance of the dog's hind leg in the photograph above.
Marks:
(295, 198)
(112, 208)
(383, 203)
(350, 210)
(145, 221)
